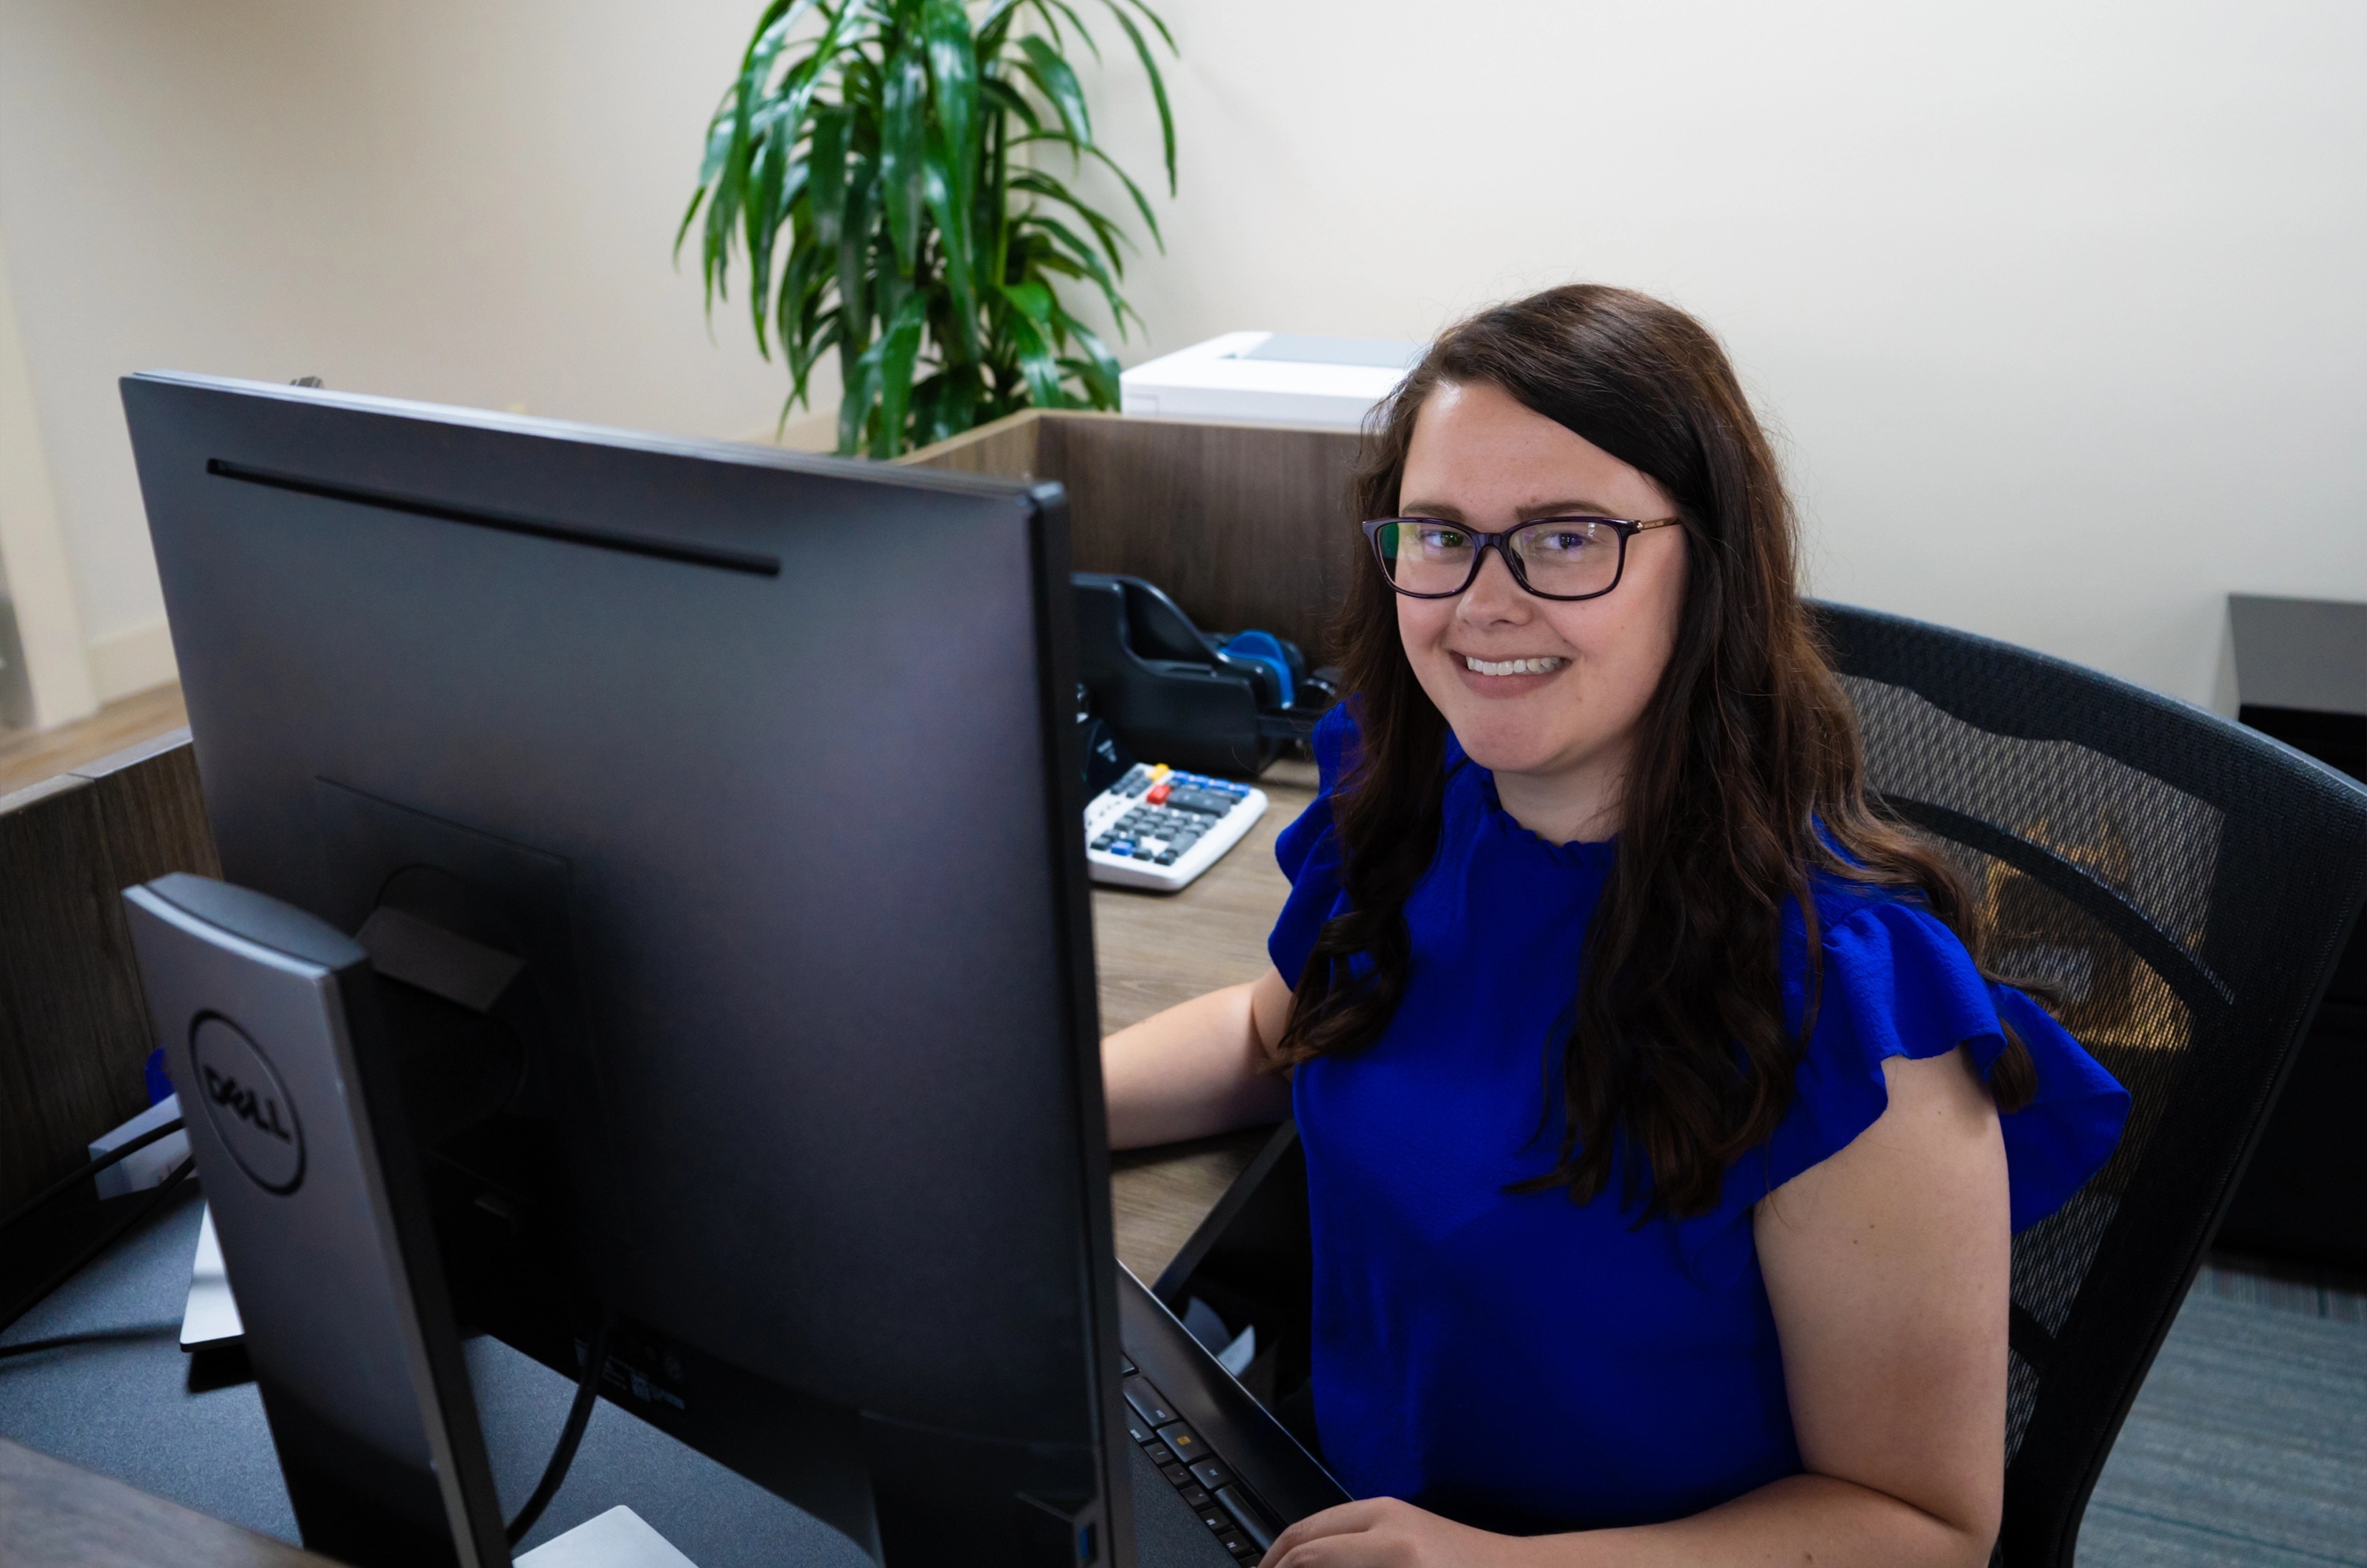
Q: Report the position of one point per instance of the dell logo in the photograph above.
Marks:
(246, 1104)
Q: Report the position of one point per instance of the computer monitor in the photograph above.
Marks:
(717, 808)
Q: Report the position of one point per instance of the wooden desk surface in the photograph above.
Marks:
(1152, 950)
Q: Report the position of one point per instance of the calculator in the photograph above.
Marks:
(1157, 828)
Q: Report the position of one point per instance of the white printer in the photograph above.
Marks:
(1271, 377)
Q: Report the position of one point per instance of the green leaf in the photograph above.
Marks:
(858, 394)
(903, 136)
(1052, 78)
(1141, 202)
(1036, 366)
(1158, 85)
(1074, 258)
(765, 212)
(854, 253)
(1152, 18)
(897, 351)
(949, 200)
(719, 143)
(1041, 9)
(826, 185)
(953, 69)
(1005, 98)
(1036, 182)
(696, 196)
(1034, 300)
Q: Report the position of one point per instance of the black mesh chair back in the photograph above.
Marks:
(2179, 886)
(2183, 887)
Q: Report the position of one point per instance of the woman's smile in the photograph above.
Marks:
(1511, 675)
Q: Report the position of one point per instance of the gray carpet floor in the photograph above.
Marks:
(2249, 1441)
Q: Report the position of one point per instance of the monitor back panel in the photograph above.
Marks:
(764, 755)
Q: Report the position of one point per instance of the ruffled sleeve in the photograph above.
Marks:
(1308, 850)
(1897, 982)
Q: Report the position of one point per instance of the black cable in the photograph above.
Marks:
(114, 1232)
(91, 1337)
(65, 1183)
(579, 1415)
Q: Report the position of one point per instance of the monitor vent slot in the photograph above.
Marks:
(746, 561)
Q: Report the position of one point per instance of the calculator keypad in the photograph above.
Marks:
(1155, 817)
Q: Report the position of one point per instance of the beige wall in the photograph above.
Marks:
(2058, 307)
(2061, 307)
(466, 202)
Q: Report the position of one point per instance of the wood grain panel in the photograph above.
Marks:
(74, 1023)
(29, 757)
(1006, 448)
(1245, 524)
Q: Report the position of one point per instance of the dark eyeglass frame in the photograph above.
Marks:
(1625, 527)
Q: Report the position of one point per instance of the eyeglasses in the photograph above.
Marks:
(1553, 558)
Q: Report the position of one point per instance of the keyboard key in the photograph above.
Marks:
(1248, 1515)
(1150, 1406)
(1238, 1545)
(1176, 1475)
(1216, 1520)
(1198, 1497)
(1185, 1442)
(1166, 857)
(1138, 1431)
(1158, 1454)
(1212, 1475)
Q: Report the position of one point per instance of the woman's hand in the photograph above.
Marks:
(1382, 1532)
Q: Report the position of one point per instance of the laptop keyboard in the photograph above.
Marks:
(1241, 1523)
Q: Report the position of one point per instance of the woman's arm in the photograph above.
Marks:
(1888, 1266)
(1199, 1067)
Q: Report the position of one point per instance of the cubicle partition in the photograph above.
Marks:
(74, 1025)
(1246, 526)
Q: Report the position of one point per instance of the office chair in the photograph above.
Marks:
(2181, 886)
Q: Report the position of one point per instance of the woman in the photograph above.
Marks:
(1664, 1139)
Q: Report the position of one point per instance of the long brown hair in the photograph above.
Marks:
(1746, 774)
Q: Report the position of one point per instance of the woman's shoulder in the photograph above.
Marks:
(1892, 980)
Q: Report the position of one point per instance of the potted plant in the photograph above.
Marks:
(895, 146)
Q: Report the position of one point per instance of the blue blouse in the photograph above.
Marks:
(1524, 1362)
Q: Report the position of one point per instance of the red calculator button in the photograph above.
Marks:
(1159, 793)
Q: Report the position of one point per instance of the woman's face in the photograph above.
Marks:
(1574, 677)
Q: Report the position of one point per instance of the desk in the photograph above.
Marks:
(1151, 952)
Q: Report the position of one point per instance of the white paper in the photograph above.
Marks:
(211, 1316)
(617, 1538)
